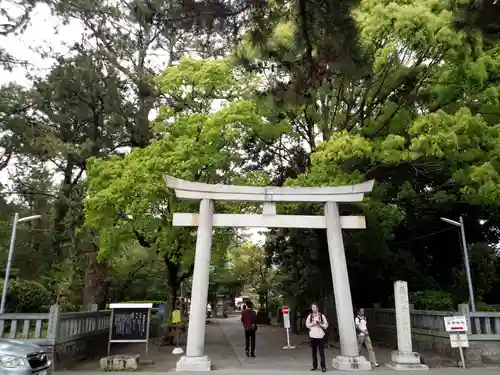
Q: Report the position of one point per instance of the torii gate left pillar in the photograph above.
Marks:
(195, 358)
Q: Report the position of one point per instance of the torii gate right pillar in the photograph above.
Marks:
(349, 358)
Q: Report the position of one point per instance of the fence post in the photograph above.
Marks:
(94, 322)
(91, 307)
(52, 331)
(53, 322)
(464, 310)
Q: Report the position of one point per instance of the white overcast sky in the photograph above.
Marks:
(44, 30)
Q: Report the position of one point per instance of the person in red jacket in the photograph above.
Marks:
(248, 318)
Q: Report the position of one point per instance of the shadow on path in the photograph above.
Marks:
(216, 347)
(268, 349)
(225, 345)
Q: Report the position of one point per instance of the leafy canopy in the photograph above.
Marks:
(199, 143)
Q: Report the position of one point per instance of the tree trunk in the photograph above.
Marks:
(61, 209)
(173, 286)
(293, 320)
(95, 280)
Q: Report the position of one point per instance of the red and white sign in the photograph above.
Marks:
(455, 324)
(286, 316)
(286, 323)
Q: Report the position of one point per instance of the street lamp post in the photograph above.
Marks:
(11, 252)
(466, 257)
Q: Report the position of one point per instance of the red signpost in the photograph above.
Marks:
(286, 322)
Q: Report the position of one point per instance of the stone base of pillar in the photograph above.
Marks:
(404, 361)
(358, 363)
(186, 364)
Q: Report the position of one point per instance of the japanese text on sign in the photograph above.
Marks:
(456, 324)
(459, 340)
(286, 321)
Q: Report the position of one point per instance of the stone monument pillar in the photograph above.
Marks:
(195, 358)
(349, 358)
(404, 358)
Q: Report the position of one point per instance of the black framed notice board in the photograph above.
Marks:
(129, 322)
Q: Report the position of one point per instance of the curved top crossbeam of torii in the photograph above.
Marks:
(219, 192)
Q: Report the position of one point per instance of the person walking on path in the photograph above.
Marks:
(317, 324)
(364, 336)
(248, 318)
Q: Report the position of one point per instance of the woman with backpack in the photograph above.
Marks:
(317, 324)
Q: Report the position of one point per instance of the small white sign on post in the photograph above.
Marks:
(286, 324)
(286, 321)
(457, 327)
(456, 324)
(459, 340)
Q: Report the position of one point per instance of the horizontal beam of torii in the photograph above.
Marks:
(268, 221)
(268, 195)
(219, 192)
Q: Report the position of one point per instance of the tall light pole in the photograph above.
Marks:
(11, 252)
(466, 257)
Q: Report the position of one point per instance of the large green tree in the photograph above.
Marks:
(128, 201)
(75, 112)
(421, 122)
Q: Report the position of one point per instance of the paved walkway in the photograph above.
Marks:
(225, 344)
(268, 355)
(244, 371)
(216, 347)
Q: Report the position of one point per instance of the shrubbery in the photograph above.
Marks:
(481, 306)
(433, 300)
(26, 296)
(443, 301)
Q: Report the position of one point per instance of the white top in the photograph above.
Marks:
(209, 307)
(130, 305)
(361, 325)
(316, 325)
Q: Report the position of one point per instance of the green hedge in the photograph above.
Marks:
(26, 296)
(481, 306)
(443, 301)
(433, 300)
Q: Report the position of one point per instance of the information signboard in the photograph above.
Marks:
(458, 327)
(130, 325)
(129, 322)
(456, 324)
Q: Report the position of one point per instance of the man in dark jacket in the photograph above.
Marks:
(248, 318)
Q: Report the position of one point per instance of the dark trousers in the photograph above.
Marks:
(318, 345)
(250, 340)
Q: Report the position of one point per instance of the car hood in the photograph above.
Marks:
(16, 347)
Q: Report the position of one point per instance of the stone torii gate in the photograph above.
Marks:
(195, 358)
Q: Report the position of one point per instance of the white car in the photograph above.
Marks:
(22, 358)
